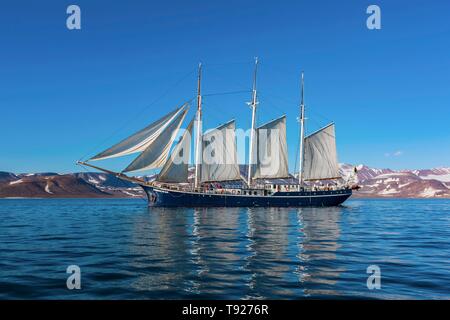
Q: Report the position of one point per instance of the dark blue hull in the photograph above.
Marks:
(169, 198)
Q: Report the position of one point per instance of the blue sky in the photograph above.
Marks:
(67, 94)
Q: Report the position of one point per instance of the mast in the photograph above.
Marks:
(302, 134)
(252, 132)
(198, 139)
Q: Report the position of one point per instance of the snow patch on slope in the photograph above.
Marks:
(442, 178)
(429, 192)
(47, 188)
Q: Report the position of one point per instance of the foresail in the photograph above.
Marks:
(155, 155)
(272, 154)
(139, 141)
(219, 161)
(320, 157)
(175, 170)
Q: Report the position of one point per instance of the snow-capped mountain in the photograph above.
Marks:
(48, 186)
(429, 183)
(440, 174)
(6, 177)
(74, 185)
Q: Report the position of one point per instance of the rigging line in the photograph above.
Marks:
(282, 71)
(289, 100)
(209, 112)
(270, 102)
(115, 184)
(228, 64)
(219, 76)
(141, 111)
(318, 124)
(125, 125)
(82, 167)
(315, 113)
(226, 93)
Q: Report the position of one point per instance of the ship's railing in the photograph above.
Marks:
(259, 188)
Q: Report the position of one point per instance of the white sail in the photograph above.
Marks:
(320, 158)
(139, 141)
(157, 152)
(219, 161)
(175, 170)
(272, 155)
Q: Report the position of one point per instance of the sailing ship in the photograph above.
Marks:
(220, 183)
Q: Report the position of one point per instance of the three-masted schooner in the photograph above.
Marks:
(220, 183)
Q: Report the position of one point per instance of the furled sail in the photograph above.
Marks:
(219, 161)
(272, 155)
(157, 152)
(320, 158)
(139, 141)
(175, 170)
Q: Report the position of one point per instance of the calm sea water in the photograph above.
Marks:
(128, 251)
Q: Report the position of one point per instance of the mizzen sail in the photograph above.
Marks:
(320, 158)
(155, 155)
(139, 141)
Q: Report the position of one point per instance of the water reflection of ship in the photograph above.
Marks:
(161, 252)
(185, 252)
(318, 246)
(215, 250)
(236, 253)
(268, 262)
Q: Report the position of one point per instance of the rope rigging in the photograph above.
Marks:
(140, 112)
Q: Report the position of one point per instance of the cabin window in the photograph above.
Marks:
(255, 193)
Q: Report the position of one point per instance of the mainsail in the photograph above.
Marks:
(219, 154)
(157, 152)
(139, 141)
(320, 158)
(272, 156)
(175, 170)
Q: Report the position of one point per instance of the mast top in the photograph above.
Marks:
(199, 80)
(303, 88)
(199, 71)
(255, 73)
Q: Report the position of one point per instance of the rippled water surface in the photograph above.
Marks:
(128, 251)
